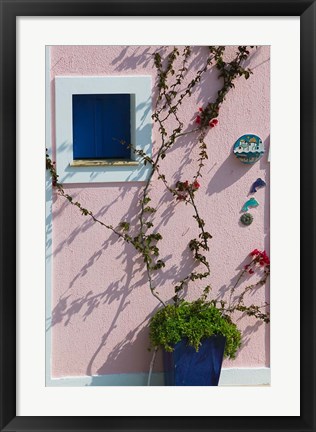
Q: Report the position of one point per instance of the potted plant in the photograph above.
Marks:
(198, 333)
(195, 336)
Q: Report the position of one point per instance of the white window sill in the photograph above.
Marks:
(102, 162)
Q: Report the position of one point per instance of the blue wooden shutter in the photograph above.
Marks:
(99, 123)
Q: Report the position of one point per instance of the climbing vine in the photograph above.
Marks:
(173, 90)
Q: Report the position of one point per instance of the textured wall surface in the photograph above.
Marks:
(101, 302)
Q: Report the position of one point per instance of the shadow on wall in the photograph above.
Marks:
(115, 291)
(248, 333)
(136, 341)
(130, 215)
(133, 57)
(65, 308)
(226, 175)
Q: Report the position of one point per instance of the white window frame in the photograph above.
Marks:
(70, 171)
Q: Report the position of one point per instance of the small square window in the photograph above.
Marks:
(101, 126)
(94, 115)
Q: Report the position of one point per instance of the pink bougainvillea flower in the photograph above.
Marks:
(265, 258)
(181, 197)
(213, 123)
(196, 185)
(260, 257)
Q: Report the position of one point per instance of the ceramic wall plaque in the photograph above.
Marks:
(249, 148)
(251, 203)
(259, 183)
(246, 219)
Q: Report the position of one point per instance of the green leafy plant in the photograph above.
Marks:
(193, 321)
(205, 316)
(200, 319)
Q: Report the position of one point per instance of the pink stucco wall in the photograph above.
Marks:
(101, 302)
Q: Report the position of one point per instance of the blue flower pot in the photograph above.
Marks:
(186, 367)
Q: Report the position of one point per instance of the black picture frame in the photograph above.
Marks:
(10, 9)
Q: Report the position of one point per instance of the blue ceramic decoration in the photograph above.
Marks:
(249, 148)
(246, 219)
(186, 367)
(259, 183)
(252, 202)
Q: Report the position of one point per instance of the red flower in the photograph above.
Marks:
(181, 197)
(246, 267)
(186, 184)
(265, 258)
(200, 109)
(198, 119)
(260, 257)
(196, 184)
(213, 123)
(251, 271)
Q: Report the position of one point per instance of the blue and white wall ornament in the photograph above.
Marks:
(249, 148)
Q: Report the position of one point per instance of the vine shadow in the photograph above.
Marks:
(115, 292)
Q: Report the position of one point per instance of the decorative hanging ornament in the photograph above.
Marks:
(246, 219)
(252, 202)
(259, 183)
(249, 148)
